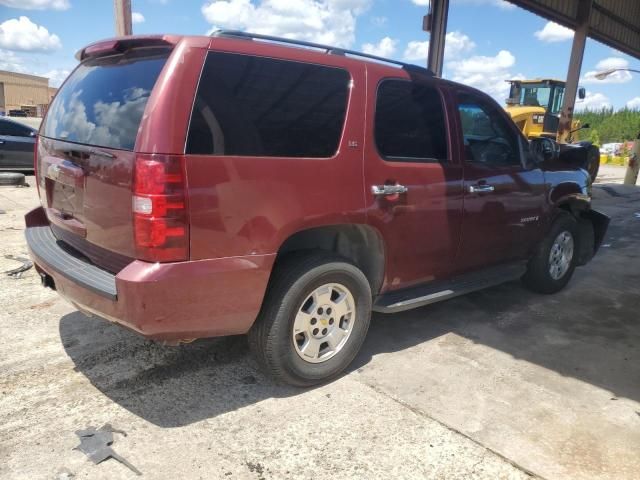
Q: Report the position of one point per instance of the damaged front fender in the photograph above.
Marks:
(592, 228)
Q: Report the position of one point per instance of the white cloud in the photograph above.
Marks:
(11, 62)
(495, 3)
(552, 32)
(634, 103)
(331, 22)
(416, 50)
(483, 64)
(37, 4)
(609, 63)
(56, 77)
(137, 17)
(384, 48)
(23, 34)
(485, 73)
(593, 101)
(456, 44)
(379, 21)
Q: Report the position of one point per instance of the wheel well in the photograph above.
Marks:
(359, 243)
(575, 207)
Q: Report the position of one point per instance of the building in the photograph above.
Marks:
(29, 93)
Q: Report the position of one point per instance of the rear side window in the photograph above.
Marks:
(254, 106)
(410, 124)
(103, 101)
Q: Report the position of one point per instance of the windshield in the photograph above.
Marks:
(536, 95)
(543, 95)
(103, 101)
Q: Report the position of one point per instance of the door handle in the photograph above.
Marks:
(384, 190)
(481, 188)
(1, 142)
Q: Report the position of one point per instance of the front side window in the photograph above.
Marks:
(488, 139)
(255, 106)
(410, 124)
(12, 129)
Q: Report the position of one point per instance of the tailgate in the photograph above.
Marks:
(85, 153)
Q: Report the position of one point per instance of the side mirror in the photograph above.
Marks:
(582, 93)
(544, 149)
(586, 125)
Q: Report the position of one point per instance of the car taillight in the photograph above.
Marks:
(161, 226)
(35, 163)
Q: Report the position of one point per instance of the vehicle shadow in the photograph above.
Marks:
(590, 331)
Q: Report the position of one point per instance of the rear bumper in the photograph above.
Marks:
(163, 301)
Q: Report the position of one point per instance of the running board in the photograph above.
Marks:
(437, 291)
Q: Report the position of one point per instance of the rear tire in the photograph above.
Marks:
(552, 266)
(314, 319)
(11, 178)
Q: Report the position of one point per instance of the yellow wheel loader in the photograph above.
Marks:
(534, 106)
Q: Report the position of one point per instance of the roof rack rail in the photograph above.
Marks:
(409, 67)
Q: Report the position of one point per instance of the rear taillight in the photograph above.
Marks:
(160, 220)
(35, 163)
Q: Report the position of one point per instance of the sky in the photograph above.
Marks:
(488, 41)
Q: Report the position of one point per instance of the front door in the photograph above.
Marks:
(503, 200)
(413, 183)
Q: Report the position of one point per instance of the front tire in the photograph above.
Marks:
(552, 266)
(314, 319)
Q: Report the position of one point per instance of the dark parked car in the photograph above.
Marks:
(17, 142)
(196, 187)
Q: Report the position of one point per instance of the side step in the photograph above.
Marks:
(437, 291)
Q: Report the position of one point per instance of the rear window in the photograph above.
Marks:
(255, 106)
(103, 101)
(410, 125)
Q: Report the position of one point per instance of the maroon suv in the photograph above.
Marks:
(204, 186)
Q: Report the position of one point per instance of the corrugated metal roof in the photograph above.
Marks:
(613, 22)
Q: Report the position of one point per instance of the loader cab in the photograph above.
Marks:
(548, 94)
(534, 106)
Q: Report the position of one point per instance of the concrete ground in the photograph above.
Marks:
(502, 383)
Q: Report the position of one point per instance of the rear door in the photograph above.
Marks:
(86, 156)
(413, 181)
(503, 200)
(16, 145)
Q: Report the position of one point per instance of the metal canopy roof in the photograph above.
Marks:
(615, 23)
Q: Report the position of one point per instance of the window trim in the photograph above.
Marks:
(413, 160)
(481, 101)
(341, 139)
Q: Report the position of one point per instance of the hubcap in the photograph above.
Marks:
(324, 322)
(561, 255)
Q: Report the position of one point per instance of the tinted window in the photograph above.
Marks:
(410, 122)
(487, 136)
(256, 106)
(103, 101)
(13, 129)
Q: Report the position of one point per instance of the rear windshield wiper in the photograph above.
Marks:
(88, 151)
